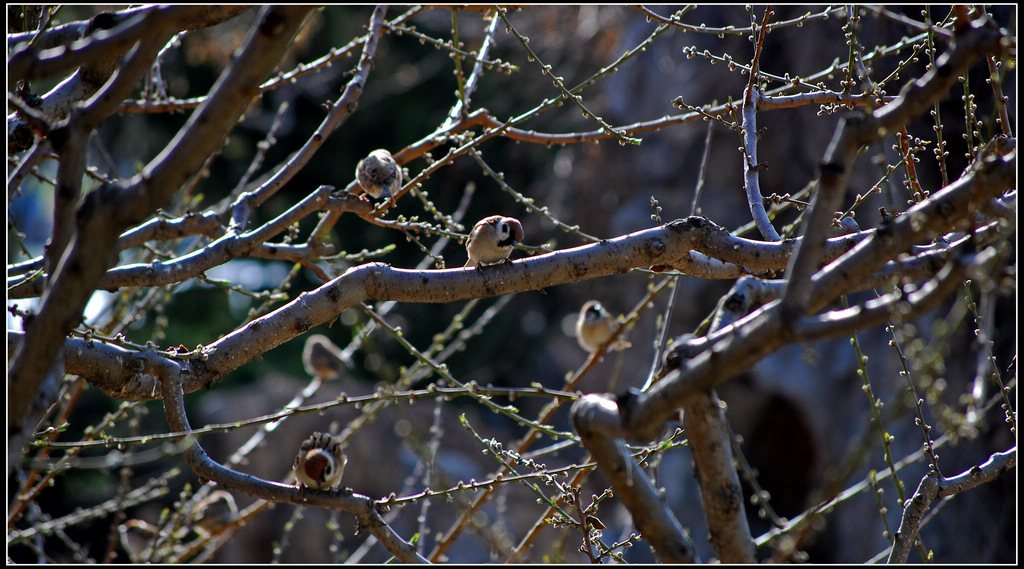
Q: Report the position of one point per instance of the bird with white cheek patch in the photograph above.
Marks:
(379, 174)
(492, 239)
(595, 327)
(320, 462)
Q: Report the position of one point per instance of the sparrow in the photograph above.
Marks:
(137, 537)
(213, 512)
(595, 327)
(320, 462)
(323, 359)
(492, 239)
(378, 174)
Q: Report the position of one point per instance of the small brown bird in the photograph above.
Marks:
(379, 174)
(322, 358)
(492, 239)
(320, 462)
(214, 512)
(595, 327)
(137, 538)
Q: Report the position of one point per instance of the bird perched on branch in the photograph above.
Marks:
(138, 538)
(595, 327)
(492, 239)
(379, 174)
(214, 512)
(322, 358)
(320, 462)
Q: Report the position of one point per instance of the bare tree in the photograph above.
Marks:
(210, 284)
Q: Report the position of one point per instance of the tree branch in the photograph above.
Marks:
(363, 507)
(107, 211)
(934, 486)
(650, 514)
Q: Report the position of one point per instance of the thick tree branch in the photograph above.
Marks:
(708, 251)
(714, 466)
(748, 340)
(856, 131)
(943, 211)
(109, 210)
(93, 50)
(650, 514)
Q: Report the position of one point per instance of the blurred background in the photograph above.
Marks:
(802, 414)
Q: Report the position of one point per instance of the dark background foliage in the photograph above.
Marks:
(801, 412)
